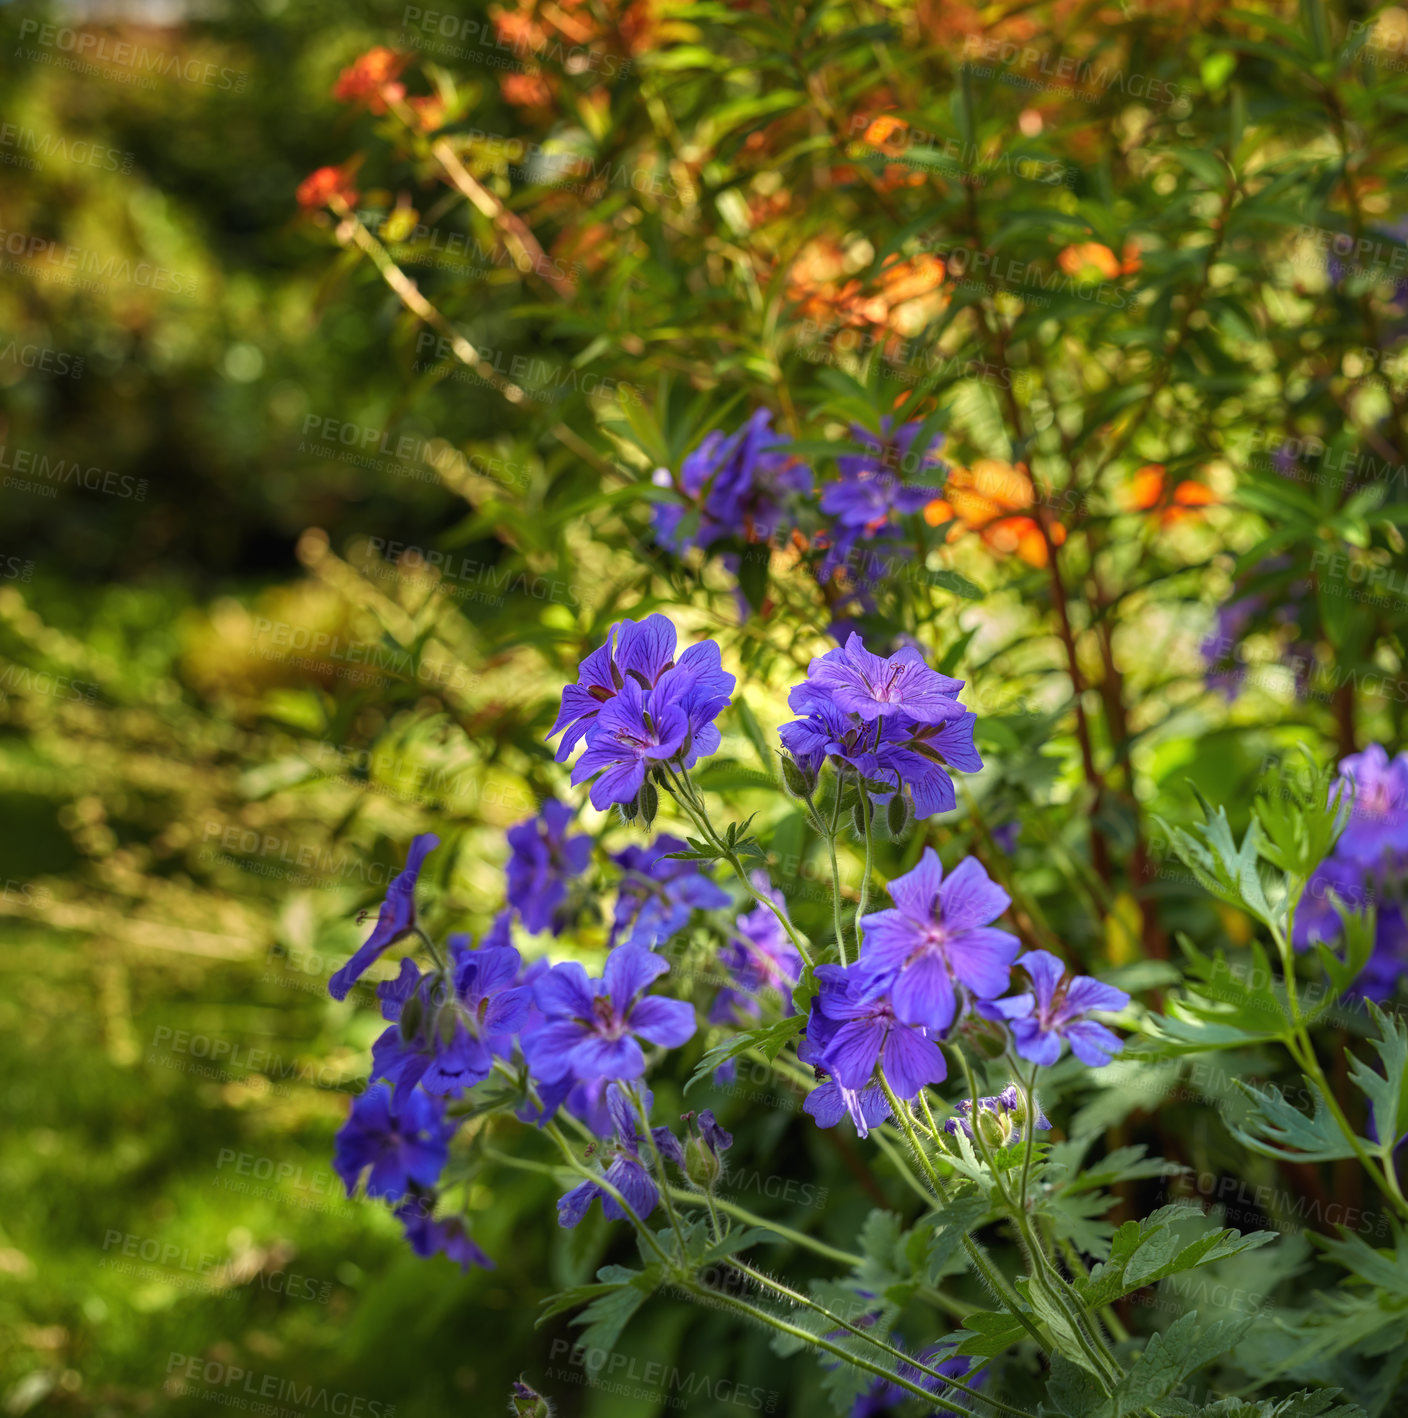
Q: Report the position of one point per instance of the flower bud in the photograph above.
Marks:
(796, 779)
(898, 816)
(648, 802)
(525, 1402)
(412, 1012)
(701, 1164)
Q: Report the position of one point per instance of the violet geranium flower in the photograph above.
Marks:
(644, 653)
(544, 859)
(627, 1171)
(591, 1026)
(396, 918)
(876, 687)
(401, 1146)
(658, 893)
(460, 1030)
(632, 732)
(429, 1237)
(1378, 823)
(1057, 1010)
(850, 1034)
(937, 939)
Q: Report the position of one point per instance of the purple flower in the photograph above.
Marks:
(396, 918)
(631, 733)
(591, 1026)
(402, 1146)
(644, 651)
(918, 756)
(658, 894)
(736, 486)
(857, 682)
(429, 1237)
(1006, 1112)
(644, 654)
(936, 940)
(850, 1034)
(1378, 822)
(870, 498)
(758, 957)
(544, 859)
(829, 732)
(1316, 916)
(1058, 1009)
(627, 1171)
(460, 1030)
(829, 1102)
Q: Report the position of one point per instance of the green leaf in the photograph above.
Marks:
(769, 1039)
(959, 584)
(1109, 1281)
(988, 1333)
(1221, 866)
(1182, 1349)
(1276, 1128)
(1385, 1091)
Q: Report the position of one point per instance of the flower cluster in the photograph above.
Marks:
(884, 720)
(574, 1049)
(922, 965)
(1369, 865)
(640, 710)
(569, 1038)
(733, 486)
(866, 505)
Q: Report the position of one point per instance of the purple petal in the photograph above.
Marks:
(667, 1022)
(970, 898)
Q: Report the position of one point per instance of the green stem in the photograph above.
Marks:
(797, 1298)
(799, 1238)
(865, 878)
(776, 1322)
(683, 792)
(996, 1281)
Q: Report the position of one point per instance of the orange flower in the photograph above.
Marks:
(887, 131)
(1149, 492)
(429, 111)
(525, 90)
(1130, 260)
(990, 498)
(320, 187)
(1089, 261)
(371, 78)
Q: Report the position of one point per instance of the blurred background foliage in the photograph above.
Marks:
(231, 695)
